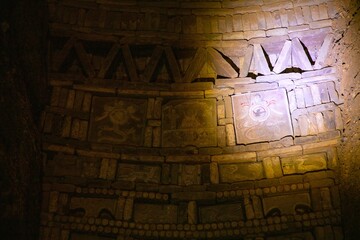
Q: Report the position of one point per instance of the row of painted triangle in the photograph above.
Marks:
(293, 55)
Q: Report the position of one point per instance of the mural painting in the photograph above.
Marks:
(117, 120)
(261, 116)
(155, 213)
(189, 122)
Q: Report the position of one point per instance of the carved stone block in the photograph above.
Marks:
(189, 122)
(287, 204)
(86, 236)
(261, 116)
(153, 213)
(221, 213)
(240, 172)
(139, 173)
(189, 174)
(305, 163)
(118, 120)
(92, 206)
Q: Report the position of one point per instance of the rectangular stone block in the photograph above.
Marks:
(329, 120)
(189, 175)
(156, 140)
(79, 96)
(188, 158)
(235, 157)
(138, 173)
(237, 22)
(315, 91)
(128, 209)
(92, 205)
(240, 172)
(194, 196)
(221, 136)
(272, 167)
(120, 205)
(214, 173)
(305, 163)
(230, 135)
(270, 7)
(286, 203)
(53, 201)
(189, 122)
(118, 120)
(108, 168)
(192, 212)
(221, 213)
(70, 99)
(315, 15)
(220, 109)
(155, 213)
(261, 116)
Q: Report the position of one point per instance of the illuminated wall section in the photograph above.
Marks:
(191, 120)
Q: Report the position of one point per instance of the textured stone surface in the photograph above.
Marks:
(189, 123)
(261, 116)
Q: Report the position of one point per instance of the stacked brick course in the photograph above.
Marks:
(191, 120)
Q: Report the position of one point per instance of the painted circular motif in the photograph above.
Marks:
(259, 112)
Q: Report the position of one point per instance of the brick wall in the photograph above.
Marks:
(195, 120)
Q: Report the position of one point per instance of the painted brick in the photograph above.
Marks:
(200, 5)
(299, 15)
(315, 15)
(248, 9)
(308, 97)
(299, 28)
(292, 101)
(307, 2)
(270, 20)
(306, 13)
(253, 21)
(238, 22)
(214, 25)
(235, 4)
(254, 34)
(291, 17)
(300, 98)
(321, 24)
(323, 12)
(277, 6)
(284, 18)
(276, 32)
(230, 135)
(222, 24)
(315, 91)
(228, 22)
(246, 22)
(333, 8)
(277, 18)
(261, 20)
(324, 95)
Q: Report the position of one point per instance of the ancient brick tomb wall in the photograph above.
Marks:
(207, 120)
